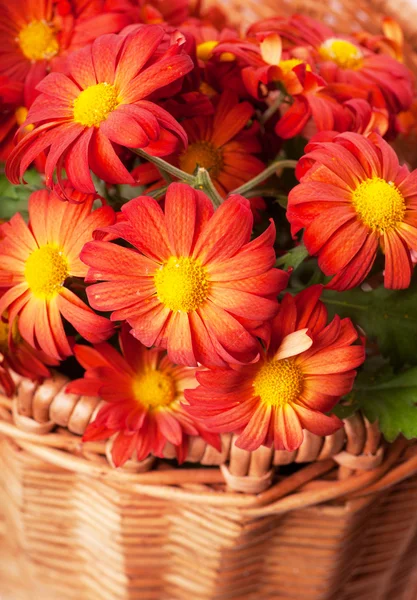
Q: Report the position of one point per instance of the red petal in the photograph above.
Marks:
(92, 327)
(398, 265)
(81, 68)
(123, 129)
(340, 249)
(333, 361)
(317, 422)
(158, 75)
(180, 346)
(148, 230)
(180, 217)
(227, 231)
(256, 430)
(104, 161)
(137, 50)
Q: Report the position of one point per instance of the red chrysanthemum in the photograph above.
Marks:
(354, 197)
(223, 144)
(196, 285)
(35, 263)
(37, 34)
(100, 105)
(342, 59)
(220, 143)
(17, 356)
(305, 369)
(143, 391)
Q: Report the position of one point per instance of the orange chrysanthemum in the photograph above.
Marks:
(223, 144)
(17, 356)
(197, 285)
(83, 117)
(353, 197)
(35, 263)
(143, 391)
(305, 369)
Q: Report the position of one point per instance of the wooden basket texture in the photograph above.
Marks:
(336, 520)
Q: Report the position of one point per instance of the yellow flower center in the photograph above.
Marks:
(279, 382)
(21, 114)
(205, 49)
(345, 54)
(95, 103)
(46, 270)
(287, 66)
(205, 52)
(182, 284)
(153, 389)
(202, 154)
(379, 204)
(38, 41)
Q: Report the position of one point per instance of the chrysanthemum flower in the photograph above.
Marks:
(197, 285)
(143, 391)
(354, 197)
(305, 369)
(341, 59)
(102, 103)
(18, 356)
(223, 144)
(35, 263)
(37, 34)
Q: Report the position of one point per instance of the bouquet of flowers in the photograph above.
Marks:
(213, 223)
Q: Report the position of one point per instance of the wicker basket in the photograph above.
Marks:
(342, 525)
(335, 520)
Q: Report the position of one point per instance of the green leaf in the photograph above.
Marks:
(14, 198)
(392, 402)
(293, 258)
(388, 317)
(343, 411)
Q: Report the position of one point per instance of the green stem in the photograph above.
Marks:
(272, 109)
(268, 172)
(265, 192)
(203, 182)
(158, 193)
(164, 166)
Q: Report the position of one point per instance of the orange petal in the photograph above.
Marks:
(293, 344)
(398, 265)
(271, 49)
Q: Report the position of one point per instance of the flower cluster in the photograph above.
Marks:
(161, 137)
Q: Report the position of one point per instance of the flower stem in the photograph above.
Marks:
(203, 182)
(272, 108)
(165, 166)
(158, 193)
(268, 172)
